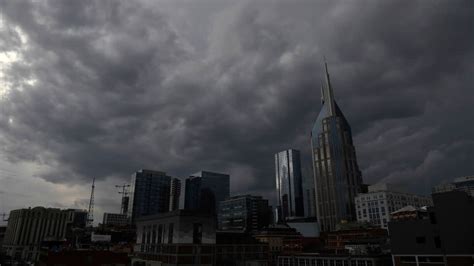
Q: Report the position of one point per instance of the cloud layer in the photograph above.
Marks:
(103, 88)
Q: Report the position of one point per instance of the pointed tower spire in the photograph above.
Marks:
(322, 92)
(329, 95)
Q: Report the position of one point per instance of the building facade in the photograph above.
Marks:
(330, 259)
(149, 193)
(289, 184)
(175, 193)
(28, 228)
(444, 235)
(204, 190)
(336, 172)
(465, 183)
(115, 219)
(244, 213)
(381, 200)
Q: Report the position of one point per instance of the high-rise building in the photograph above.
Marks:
(336, 172)
(29, 228)
(245, 213)
(289, 184)
(309, 196)
(465, 183)
(204, 190)
(381, 200)
(175, 193)
(149, 193)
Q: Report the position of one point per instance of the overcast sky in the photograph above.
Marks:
(103, 88)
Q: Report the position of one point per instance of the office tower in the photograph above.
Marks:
(204, 190)
(381, 200)
(175, 192)
(28, 229)
(465, 183)
(289, 184)
(336, 172)
(149, 193)
(309, 195)
(245, 213)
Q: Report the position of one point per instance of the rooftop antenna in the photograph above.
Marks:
(90, 213)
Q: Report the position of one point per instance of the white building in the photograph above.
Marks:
(382, 199)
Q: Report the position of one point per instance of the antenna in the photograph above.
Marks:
(124, 192)
(90, 213)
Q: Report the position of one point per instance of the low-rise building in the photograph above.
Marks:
(464, 183)
(354, 237)
(382, 199)
(440, 235)
(314, 259)
(187, 237)
(244, 213)
(115, 219)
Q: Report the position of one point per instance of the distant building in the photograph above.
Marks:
(289, 184)
(28, 228)
(340, 241)
(175, 193)
(115, 219)
(305, 259)
(337, 176)
(149, 193)
(244, 213)
(465, 183)
(307, 227)
(3, 229)
(439, 235)
(382, 199)
(281, 239)
(124, 206)
(309, 196)
(204, 190)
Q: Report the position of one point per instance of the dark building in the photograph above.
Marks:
(149, 193)
(124, 206)
(115, 219)
(289, 184)
(306, 259)
(3, 229)
(244, 213)
(175, 193)
(336, 172)
(443, 235)
(84, 257)
(186, 237)
(204, 190)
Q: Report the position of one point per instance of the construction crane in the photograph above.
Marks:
(90, 213)
(124, 193)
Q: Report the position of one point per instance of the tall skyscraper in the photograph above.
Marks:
(149, 193)
(289, 184)
(175, 193)
(204, 190)
(336, 172)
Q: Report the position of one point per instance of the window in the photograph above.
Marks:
(197, 233)
(420, 239)
(437, 242)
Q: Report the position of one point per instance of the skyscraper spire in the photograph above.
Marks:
(329, 95)
(322, 92)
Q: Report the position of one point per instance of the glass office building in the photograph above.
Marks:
(149, 193)
(289, 184)
(204, 190)
(244, 213)
(336, 172)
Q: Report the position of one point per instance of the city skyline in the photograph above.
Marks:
(80, 98)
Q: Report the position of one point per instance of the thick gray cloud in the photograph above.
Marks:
(103, 88)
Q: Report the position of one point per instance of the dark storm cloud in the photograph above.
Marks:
(118, 88)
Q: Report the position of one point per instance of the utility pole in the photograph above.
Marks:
(124, 193)
(90, 213)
